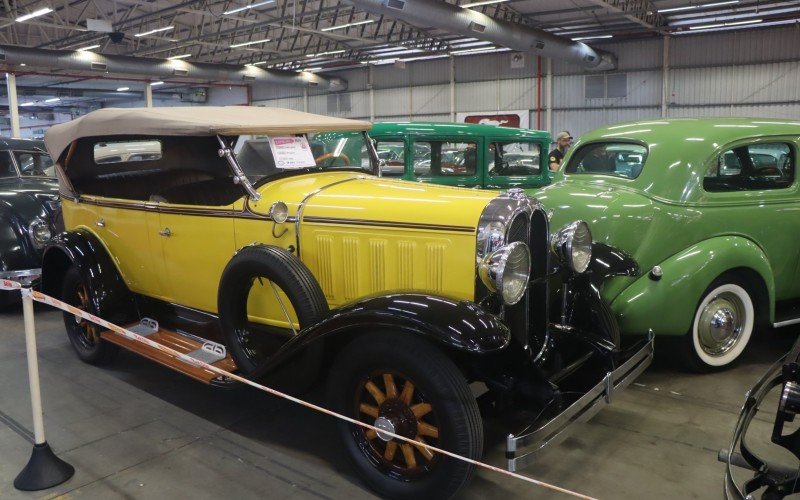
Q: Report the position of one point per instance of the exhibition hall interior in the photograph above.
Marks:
(402, 249)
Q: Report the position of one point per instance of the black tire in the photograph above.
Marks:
(83, 335)
(248, 347)
(726, 292)
(438, 382)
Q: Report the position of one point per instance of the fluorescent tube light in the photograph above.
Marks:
(245, 44)
(343, 26)
(123, 89)
(36, 13)
(30, 103)
(482, 2)
(724, 25)
(157, 30)
(702, 6)
(591, 37)
(310, 70)
(54, 99)
(479, 51)
(251, 6)
(90, 47)
(153, 84)
(332, 52)
(182, 56)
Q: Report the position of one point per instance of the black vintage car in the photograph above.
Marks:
(30, 210)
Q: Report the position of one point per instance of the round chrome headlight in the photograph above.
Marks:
(40, 232)
(573, 245)
(279, 212)
(506, 271)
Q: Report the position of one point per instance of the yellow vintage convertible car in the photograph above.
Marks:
(261, 241)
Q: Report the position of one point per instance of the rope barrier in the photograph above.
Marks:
(46, 299)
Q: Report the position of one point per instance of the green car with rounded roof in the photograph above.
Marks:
(462, 154)
(709, 209)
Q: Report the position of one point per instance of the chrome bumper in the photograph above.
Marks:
(560, 427)
(26, 277)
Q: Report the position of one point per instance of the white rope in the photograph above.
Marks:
(46, 299)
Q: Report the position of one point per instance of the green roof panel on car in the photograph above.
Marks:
(383, 129)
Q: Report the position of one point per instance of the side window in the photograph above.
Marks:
(35, 163)
(752, 168)
(445, 159)
(6, 167)
(391, 155)
(515, 159)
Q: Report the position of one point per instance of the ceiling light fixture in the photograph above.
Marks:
(182, 56)
(725, 25)
(31, 103)
(90, 47)
(153, 84)
(246, 7)
(310, 70)
(36, 13)
(157, 30)
(478, 51)
(54, 99)
(123, 89)
(692, 7)
(343, 26)
(332, 52)
(591, 37)
(483, 2)
(245, 44)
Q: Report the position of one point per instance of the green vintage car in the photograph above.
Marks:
(462, 154)
(709, 208)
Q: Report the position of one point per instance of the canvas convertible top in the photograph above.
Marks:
(193, 120)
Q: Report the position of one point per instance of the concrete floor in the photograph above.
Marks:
(137, 430)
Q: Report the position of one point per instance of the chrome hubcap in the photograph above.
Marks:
(384, 424)
(721, 324)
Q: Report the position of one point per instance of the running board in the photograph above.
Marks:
(185, 343)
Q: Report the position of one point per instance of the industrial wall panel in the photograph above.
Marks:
(430, 99)
(477, 96)
(783, 111)
(519, 93)
(643, 89)
(579, 122)
(431, 118)
(429, 72)
(735, 47)
(288, 103)
(478, 68)
(392, 102)
(389, 76)
(263, 91)
(755, 83)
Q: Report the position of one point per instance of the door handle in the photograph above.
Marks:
(100, 223)
(165, 232)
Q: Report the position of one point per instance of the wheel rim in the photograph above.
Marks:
(85, 332)
(721, 324)
(257, 345)
(393, 402)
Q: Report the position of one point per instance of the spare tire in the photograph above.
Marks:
(248, 346)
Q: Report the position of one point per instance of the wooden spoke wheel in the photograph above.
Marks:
(403, 384)
(84, 335)
(392, 402)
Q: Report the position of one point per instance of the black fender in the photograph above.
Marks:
(16, 249)
(80, 248)
(454, 325)
(608, 261)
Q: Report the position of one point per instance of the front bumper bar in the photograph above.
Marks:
(560, 427)
(26, 277)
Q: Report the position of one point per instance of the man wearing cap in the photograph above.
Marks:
(563, 142)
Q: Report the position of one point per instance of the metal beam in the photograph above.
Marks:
(642, 12)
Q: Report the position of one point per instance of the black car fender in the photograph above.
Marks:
(81, 249)
(608, 261)
(459, 327)
(16, 249)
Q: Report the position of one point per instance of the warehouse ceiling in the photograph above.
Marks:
(321, 35)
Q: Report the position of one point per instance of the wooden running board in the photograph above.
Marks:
(175, 341)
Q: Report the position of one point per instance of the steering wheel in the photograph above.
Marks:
(767, 172)
(328, 156)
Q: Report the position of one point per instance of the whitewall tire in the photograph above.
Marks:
(722, 326)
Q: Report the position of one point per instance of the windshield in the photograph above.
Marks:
(262, 157)
(619, 159)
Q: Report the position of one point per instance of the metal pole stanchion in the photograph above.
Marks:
(44, 468)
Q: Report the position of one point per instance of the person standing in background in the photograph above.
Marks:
(563, 142)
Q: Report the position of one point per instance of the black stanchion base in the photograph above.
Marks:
(44, 470)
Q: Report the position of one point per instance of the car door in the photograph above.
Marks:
(453, 161)
(515, 163)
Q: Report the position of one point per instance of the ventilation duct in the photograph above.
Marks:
(438, 14)
(160, 69)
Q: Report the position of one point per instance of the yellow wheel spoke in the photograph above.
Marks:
(408, 392)
(424, 429)
(391, 449)
(376, 393)
(420, 410)
(428, 454)
(370, 410)
(408, 455)
(391, 389)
